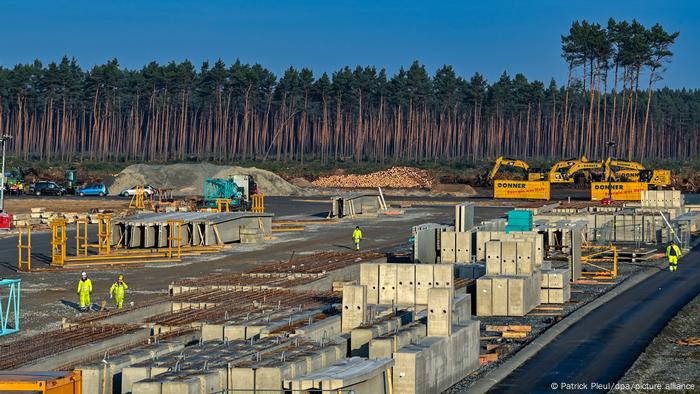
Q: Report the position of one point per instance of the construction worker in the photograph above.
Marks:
(84, 291)
(118, 290)
(673, 252)
(357, 237)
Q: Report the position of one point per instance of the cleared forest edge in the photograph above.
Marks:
(188, 179)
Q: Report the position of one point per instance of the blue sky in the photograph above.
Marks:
(484, 36)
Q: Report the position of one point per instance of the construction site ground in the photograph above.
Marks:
(47, 297)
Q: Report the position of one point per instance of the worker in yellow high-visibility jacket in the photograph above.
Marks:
(357, 237)
(118, 290)
(673, 252)
(84, 291)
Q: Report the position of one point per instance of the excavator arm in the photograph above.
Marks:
(557, 173)
(504, 161)
(584, 166)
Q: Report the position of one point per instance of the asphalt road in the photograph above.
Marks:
(595, 352)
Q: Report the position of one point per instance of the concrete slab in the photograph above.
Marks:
(406, 287)
(369, 276)
(439, 312)
(484, 296)
(509, 257)
(499, 296)
(424, 281)
(463, 247)
(448, 247)
(387, 283)
(493, 258)
(354, 312)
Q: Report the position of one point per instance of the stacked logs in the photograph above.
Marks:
(395, 177)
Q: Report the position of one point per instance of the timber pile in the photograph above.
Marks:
(395, 177)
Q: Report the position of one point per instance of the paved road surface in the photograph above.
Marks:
(603, 345)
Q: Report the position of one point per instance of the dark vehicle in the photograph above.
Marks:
(47, 188)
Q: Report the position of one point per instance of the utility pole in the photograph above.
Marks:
(3, 139)
(610, 146)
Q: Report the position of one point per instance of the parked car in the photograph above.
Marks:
(147, 190)
(93, 189)
(46, 188)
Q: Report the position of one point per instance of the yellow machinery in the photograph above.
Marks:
(557, 173)
(631, 171)
(41, 382)
(532, 175)
(138, 199)
(258, 203)
(521, 190)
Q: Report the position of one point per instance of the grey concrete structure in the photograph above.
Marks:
(351, 204)
(147, 230)
(436, 363)
(464, 217)
(448, 247)
(356, 375)
(439, 312)
(355, 312)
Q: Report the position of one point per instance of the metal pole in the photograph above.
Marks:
(2, 182)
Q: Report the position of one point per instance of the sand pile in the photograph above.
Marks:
(188, 179)
(395, 177)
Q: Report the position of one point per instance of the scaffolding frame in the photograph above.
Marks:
(9, 310)
(223, 204)
(258, 203)
(104, 233)
(172, 238)
(58, 242)
(137, 200)
(81, 237)
(603, 260)
(24, 265)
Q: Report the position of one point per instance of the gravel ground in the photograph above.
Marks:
(666, 367)
(581, 294)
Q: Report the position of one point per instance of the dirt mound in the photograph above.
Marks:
(395, 177)
(455, 188)
(188, 179)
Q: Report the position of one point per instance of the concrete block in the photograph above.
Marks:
(544, 282)
(499, 296)
(461, 308)
(557, 279)
(443, 276)
(482, 236)
(493, 258)
(355, 312)
(387, 283)
(464, 216)
(439, 312)
(523, 294)
(484, 296)
(448, 247)
(559, 296)
(425, 246)
(525, 263)
(369, 276)
(544, 295)
(436, 363)
(463, 252)
(406, 287)
(509, 257)
(424, 281)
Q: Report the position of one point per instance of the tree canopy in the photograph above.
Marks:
(241, 111)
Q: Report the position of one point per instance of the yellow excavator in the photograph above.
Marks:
(557, 173)
(532, 174)
(631, 171)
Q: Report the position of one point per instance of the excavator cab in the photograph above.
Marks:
(531, 174)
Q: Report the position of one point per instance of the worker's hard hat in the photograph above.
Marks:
(84, 274)
(120, 277)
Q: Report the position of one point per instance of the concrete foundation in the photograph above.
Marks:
(436, 363)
